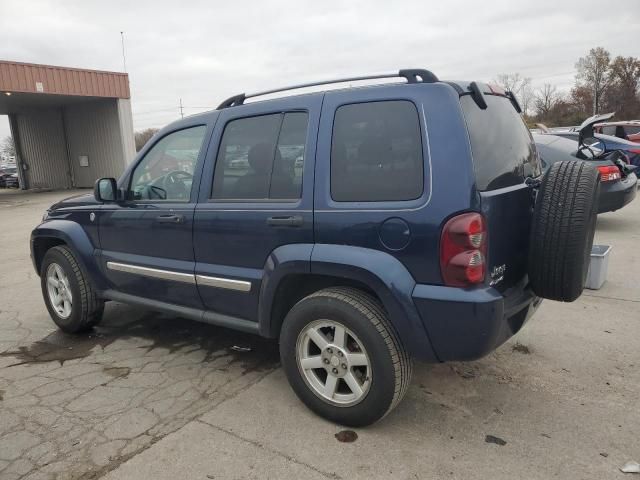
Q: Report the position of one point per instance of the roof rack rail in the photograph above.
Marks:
(413, 75)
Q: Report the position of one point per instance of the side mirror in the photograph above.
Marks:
(106, 190)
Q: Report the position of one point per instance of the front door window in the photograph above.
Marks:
(166, 171)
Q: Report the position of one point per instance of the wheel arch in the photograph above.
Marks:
(290, 278)
(40, 245)
(72, 235)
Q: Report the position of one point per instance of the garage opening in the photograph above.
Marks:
(69, 126)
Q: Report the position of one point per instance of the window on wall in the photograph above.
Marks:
(261, 158)
(376, 153)
(166, 171)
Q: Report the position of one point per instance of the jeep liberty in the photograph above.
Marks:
(363, 227)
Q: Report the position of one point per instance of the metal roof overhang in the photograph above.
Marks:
(25, 86)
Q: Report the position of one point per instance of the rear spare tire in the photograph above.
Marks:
(564, 222)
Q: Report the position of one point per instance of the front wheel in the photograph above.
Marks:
(342, 357)
(68, 294)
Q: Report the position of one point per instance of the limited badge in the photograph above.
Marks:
(497, 274)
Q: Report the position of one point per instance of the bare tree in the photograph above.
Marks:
(545, 99)
(520, 86)
(526, 96)
(594, 73)
(143, 136)
(7, 147)
(509, 81)
(622, 94)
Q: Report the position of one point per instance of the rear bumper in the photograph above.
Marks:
(466, 324)
(614, 197)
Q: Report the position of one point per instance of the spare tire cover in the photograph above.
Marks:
(564, 222)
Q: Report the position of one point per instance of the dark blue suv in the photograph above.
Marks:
(363, 227)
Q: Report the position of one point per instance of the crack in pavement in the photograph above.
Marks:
(262, 446)
(79, 406)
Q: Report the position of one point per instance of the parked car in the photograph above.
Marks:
(410, 230)
(618, 185)
(606, 142)
(629, 130)
(9, 177)
(12, 181)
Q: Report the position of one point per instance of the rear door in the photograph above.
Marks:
(256, 195)
(373, 179)
(504, 155)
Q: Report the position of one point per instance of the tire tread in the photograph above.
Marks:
(374, 312)
(91, 306)
(563, 229)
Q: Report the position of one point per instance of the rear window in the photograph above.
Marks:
(376, 153)
(503, 151)
(632, 129)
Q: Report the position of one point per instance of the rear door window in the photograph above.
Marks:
(376, 152)
(503, 151)
(261, 158)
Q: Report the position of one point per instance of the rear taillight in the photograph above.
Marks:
(609, 173)
(634, 150)
(463, 248)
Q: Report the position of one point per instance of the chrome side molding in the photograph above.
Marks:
(227, 283)
(204, 280)
(152, 272)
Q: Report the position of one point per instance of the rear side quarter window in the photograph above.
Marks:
(376, 152)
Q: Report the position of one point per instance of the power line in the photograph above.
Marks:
(173, 109)
(164, 110)
(181, 108)
(555, 75)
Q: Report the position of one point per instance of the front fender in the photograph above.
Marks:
(389, 279)
(76, 238)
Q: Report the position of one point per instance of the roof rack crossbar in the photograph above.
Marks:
(412, 76)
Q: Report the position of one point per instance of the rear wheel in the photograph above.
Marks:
(343, 358)
(72, 303)
(562, 233)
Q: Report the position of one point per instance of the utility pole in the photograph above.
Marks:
(181, 111)
(124, 58)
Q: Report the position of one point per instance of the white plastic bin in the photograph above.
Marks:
(598, 266)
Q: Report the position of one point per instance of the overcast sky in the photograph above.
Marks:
(206, 51)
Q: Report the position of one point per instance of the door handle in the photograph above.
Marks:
(170, 219)
(286, 221)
